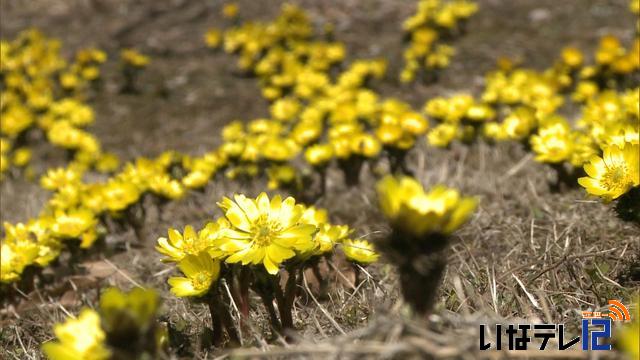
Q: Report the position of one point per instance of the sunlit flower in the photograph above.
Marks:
(200, 271)
(73, 223)
(177, 245)
(360, 251)
(264, 232)
(119, 195)
(613, 174)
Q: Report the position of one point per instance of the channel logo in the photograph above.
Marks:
(618, 312)
(596, 331)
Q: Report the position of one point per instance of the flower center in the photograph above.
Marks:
(202, 280)
(264, 231)
(616, 177)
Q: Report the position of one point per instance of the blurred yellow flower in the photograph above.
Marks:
(319, 154)
(133, 58)
(552, 143)
(213, 38)
(412, 210)
(80, 338)
(230, 10)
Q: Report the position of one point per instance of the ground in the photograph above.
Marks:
(528, 254)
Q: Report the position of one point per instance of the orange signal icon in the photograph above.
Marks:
(617, 311)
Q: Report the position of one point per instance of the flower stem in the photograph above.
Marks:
(227, 320)
(267, 300)
(216, 325)
(286, 309)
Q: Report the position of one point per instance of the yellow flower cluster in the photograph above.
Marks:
(248, 247)
(84, 70)
(263, 232)
(459, 117)
(523, 105)
(76, 206)
(429, 30)
(123, 319)
(42, 92)
(312, 114)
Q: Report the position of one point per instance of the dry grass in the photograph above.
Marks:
(528, 254)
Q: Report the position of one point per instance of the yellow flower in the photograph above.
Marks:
(15, 120)
(90, 73)
(585, 90)
(177, 245)
(442, 135)
(280, 175)
(328, 235)
(414, 123)
(389, 133)
(59, 177)
(118, 195)
(73, 223)
(552, 143)
(628, 338)
(319, 154)
(133, 58)
(480, 112)
(360, 251)
(572, 57)
(285, 109)
(264, 232)
(314, 216)
(279, 149)
(16, 255)
(613, 174)
(107, 163)
(200, 271)
(121, 310)
(213, 38)
(230, 10)
(81, 339)
(163, 185)
(21, 157)
(405, 203)
(519, 123)
(366, 145)
(197, 179)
